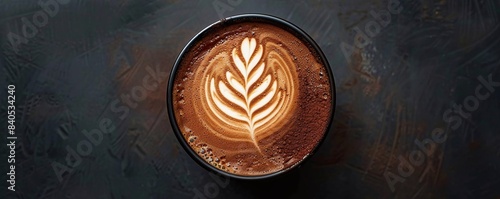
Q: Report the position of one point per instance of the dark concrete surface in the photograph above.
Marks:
(85, 60)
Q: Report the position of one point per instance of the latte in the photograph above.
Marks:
(251, 98)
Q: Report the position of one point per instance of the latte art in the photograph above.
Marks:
(252, 94)
(250, 98)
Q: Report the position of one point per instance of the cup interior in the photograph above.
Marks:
(283, 24)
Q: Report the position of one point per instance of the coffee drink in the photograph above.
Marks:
(251, 97)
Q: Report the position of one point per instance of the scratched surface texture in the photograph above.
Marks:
(80, 66)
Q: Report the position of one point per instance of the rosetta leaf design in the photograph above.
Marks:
(243, 89)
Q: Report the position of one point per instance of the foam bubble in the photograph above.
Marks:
(192, 138)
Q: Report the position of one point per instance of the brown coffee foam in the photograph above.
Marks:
(288, 140)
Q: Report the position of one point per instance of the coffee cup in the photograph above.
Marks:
(251, 96)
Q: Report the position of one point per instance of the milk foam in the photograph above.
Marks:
(254, 94)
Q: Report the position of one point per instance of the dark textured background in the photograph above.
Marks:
(393, 91)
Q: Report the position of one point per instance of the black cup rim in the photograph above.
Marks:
(299, 33)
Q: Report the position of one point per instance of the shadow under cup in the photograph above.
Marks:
(274, 86)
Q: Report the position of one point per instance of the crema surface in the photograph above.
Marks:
(251, 98)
